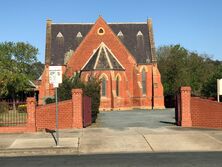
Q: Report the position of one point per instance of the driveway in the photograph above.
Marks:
(135, 118)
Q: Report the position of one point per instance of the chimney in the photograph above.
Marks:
(48, 42)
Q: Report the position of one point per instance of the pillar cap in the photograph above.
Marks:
(77, 91)
(185, 88)
(30, 99)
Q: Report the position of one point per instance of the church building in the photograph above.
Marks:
(122, 55)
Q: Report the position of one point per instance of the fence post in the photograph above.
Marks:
(77, 107)
(31, 111)
(185, 106)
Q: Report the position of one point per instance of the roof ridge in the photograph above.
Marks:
(72, 23)
(127, 23)
(94, 23)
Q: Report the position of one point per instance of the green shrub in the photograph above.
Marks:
(49, 100)
(4, 107)
(22, 108)
(90, 88)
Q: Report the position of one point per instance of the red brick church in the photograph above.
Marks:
(122, 55)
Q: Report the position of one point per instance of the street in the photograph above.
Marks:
(182, 159)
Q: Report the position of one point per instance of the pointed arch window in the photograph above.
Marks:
(117, 86)
(144, 82)
(103, 86)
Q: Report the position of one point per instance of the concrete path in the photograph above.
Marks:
(44, 143)
(105, 140)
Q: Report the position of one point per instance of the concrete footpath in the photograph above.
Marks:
(109, 140)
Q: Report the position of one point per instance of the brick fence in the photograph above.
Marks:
(197, 112)
(42, 117)
(46, 115)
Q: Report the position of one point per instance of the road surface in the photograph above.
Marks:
(190, 159)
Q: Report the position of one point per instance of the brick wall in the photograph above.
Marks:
(197, 112)
(206, 113)
(70, 113)
(46, 115)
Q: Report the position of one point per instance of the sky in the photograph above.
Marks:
(194, 24)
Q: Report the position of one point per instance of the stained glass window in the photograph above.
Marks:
(103, 86)
(117, 86)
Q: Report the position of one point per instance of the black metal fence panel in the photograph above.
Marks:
(13, 113)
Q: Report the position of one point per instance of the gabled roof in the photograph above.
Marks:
(138, 47)
(102, 59)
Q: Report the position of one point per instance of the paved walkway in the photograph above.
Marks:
(156, 135)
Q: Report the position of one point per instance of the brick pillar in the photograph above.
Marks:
(31, 110)
(77, 102)
(185, 106)
(158, 98)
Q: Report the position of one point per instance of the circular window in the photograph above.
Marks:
(100, 31)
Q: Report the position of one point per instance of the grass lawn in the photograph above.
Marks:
(13, 118)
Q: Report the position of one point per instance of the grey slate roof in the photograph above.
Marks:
(138, 46)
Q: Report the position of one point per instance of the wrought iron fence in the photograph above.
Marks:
(13, 116)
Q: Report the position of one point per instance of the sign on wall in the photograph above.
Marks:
(219, 89)
(55, 75)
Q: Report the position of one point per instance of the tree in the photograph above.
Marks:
(35, 70)
(180, 67)
(15, 62)
(210, 86)
(172, 65)
(199, 70)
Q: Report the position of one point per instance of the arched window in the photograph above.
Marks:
(144, 82)
(117, 86)
(103, 86)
